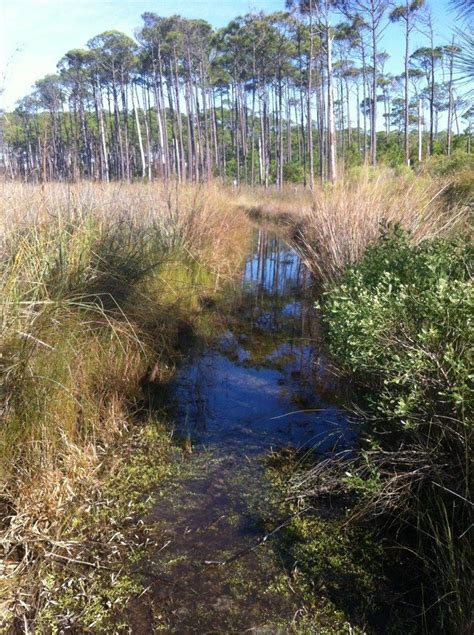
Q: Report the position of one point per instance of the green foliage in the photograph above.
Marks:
(293, 172)
(402, 318)
(354, 157)
(390, 152)
(401, 322)
(447, 166)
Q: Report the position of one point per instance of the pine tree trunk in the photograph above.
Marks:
(407, 113)
(139, 134)
(331, 124)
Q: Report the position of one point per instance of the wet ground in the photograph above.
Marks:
(260, 387)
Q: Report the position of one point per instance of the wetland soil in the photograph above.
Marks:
(257, 389)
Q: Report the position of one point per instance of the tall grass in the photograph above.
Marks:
(94, 282)
(334, 225)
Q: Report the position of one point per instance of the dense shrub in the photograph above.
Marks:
(293, 172)
(401, 321)
(442, 165)
(390, 152)
(402, 318)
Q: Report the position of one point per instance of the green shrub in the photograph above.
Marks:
(401, 321)
(353, 157)
(390, 153)
(442, 165)
(402, 317)
(293, 172)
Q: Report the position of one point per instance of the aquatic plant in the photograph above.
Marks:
(96, 282)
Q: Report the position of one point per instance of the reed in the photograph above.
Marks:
(343, 221)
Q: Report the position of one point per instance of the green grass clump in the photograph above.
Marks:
(96, 283)
(400, 322)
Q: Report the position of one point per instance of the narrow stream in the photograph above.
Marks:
(259, 387)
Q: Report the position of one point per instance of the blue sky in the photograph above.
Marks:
(34, 34)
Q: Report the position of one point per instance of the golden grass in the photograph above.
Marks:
(94, 282)
(201, 220)
(335, 224)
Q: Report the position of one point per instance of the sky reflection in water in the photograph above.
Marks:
(228, 400)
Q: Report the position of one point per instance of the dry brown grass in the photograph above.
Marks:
(201, 220)
(335, 224)
(94, 281)
(87, 275)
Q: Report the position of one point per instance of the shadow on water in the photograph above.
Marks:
(250, 391)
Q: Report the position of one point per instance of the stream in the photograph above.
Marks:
(258, 389)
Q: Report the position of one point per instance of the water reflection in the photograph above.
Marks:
(274, 268)
(252, 389)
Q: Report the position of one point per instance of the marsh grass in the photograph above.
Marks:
(334, 225)
(95, 281)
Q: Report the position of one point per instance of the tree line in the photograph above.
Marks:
(294, 95)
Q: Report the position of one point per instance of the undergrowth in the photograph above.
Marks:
(400, 323)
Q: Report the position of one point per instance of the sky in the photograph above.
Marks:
(35, 34)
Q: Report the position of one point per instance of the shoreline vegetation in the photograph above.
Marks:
(131, 182)
(104, 289)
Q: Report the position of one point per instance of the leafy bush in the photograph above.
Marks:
(390, 152)
(442, 165)
(401, 322)
(293, 172)
(402, 317)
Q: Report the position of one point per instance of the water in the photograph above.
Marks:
(253, 389)
(259, 387)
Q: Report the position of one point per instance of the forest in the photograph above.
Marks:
(236, 317)
(269, 99)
